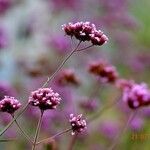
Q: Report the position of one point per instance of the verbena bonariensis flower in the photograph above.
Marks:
(44, 98)
(68, 76)
(106, 72)
(136, 95)
(85, 31)
(77, 123)
(9, 104)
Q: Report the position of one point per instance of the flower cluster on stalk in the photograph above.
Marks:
(44, 98)
(106, 72)
(85, 31)
(136, 95)
(9, 104)
(77, 123)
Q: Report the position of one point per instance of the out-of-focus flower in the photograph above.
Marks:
(67, 76)
(109, 129)
(137, 95)
(58, 5)
(6, 89)
(3, 38)
(5, 5)
(77, 123)
(58, 43)
(44, 98)
(89, 105)
(136, 124)
(85, 31)
(9, 104)
(103, 70)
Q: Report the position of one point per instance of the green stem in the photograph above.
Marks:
(37, 130)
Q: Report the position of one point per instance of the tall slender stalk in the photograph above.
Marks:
(61, 65)
(37, 130)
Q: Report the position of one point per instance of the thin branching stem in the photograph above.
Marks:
(7, 140)
(37, 130)
(82, 49)
(60, 66)
(22, 131)
(13, 120)
(54, 136)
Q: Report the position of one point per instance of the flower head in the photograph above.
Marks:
(44, 98)
(67, 76)
(77, 123)
(85, 31)
(103, 70)
(9, 104)
(137, 95)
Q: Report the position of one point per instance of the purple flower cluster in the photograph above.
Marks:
(68, 76)
(137, 95)
(9, 104)
(105, 71)
(85, 31)
(77, 123)
(44, 98)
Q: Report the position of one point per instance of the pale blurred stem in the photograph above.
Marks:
(22, 131)
(13, 120)
(72, 142)
(54, 136)
(117, 139)
(101, 111)
(37, 130)
(61, 65)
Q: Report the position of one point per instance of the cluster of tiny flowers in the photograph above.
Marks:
(44, 98)
(105, 71)
(9, 104)
(137, 95)
(67, 76)
(85, 31)
(77, 123)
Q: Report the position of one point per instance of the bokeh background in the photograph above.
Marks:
(33, 44)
